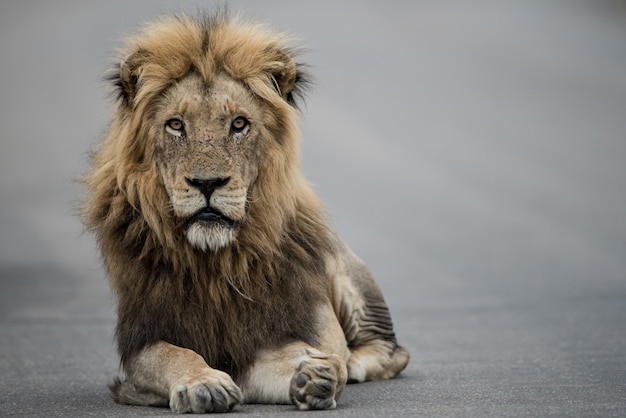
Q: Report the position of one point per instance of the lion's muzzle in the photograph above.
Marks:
(209, 228)
(209, 214)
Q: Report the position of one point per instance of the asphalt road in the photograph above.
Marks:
(471, 152)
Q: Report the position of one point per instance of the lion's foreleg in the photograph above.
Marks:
(296, 373)
(308, 377)
(177, 376)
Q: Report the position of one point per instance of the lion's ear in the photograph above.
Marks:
(126, 78)
(288, 79)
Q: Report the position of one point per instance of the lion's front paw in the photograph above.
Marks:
(207, 391)
(318, 382)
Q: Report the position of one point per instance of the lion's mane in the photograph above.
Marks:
(222, 304)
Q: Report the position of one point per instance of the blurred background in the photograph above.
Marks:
(472, 153)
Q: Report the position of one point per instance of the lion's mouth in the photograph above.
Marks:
(210, 215)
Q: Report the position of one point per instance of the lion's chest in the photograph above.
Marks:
(228, 332)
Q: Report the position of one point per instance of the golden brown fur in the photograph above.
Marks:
(277, 288)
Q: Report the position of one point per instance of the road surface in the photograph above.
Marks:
(472, 153)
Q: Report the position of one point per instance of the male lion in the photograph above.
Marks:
(230, 285)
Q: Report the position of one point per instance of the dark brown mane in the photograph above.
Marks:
(220, 317)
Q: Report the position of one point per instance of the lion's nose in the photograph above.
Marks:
(207, 186)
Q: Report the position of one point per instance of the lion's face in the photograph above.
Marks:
(208, 147)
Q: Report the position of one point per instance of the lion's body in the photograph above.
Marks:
(217, 249)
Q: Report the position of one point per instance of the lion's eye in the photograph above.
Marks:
(174, 127)
(239, 124)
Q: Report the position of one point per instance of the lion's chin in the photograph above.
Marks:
(209, 236)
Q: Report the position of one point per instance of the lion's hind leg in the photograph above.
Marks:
(365, 319)
(374, 351)
(376, 360)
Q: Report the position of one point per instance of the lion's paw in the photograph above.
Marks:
(208, 391)
(318, 382)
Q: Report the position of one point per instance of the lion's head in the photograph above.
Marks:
(203, 141)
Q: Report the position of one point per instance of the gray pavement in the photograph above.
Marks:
(471, 152)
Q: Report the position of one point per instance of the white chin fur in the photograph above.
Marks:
(209, 237)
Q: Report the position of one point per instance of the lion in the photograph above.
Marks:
(230, 285)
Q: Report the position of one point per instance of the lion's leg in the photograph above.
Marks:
(300, 374)
(296, 373)
(163, 374)
(376, 360)
(366, 322)
(374, 351)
